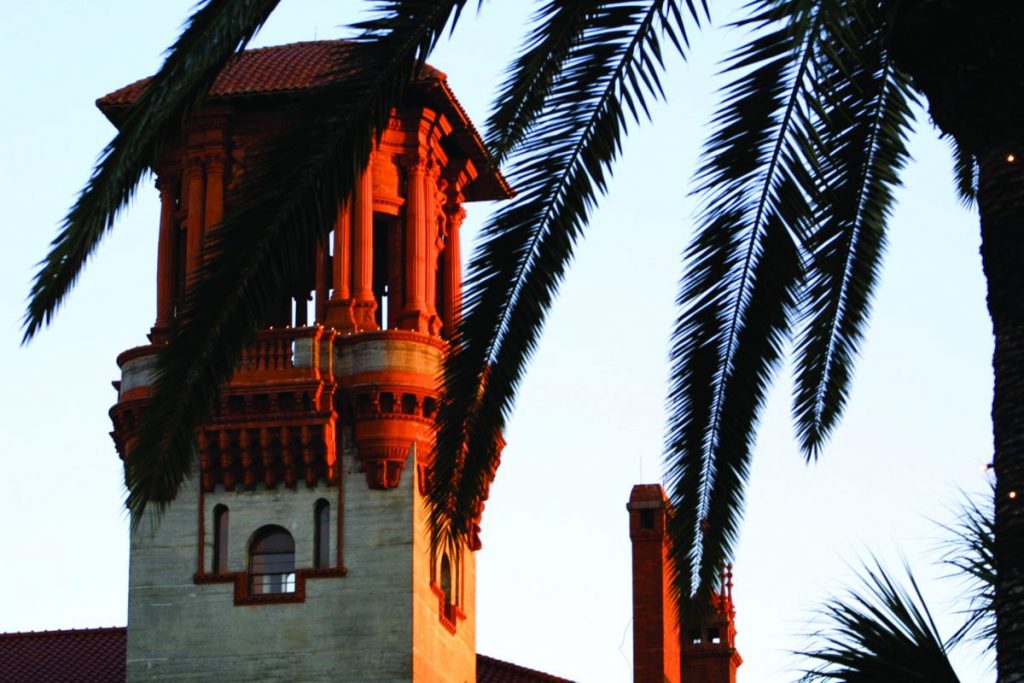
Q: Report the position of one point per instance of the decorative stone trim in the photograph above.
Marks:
(449, 615)
(242, 596)
(383, 464)
(271, 452)
(395, 334)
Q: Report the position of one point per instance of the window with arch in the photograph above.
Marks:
(272, 561)
(447, 591)
(220, 539)
(446, 581)
(322, 534)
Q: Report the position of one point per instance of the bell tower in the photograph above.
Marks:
(299, 551)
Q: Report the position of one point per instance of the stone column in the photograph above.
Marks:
(364, 303)
(194, 188)
(214, 205)
(166, 268)
(343, 253)
(452, 260)
(414, 314)
(339, 308)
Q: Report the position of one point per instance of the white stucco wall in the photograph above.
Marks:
(354, 628)
(378, 623)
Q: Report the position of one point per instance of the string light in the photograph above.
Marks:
(1011, 157)
(1013, 495)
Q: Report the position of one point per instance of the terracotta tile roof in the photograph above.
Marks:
(296, 67)
(490, 670)
(95, 655)
(267, 70)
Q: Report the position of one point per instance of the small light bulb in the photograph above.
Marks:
(1011, 157)
(1013, 494)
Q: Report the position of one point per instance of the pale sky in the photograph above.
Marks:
(554, 574)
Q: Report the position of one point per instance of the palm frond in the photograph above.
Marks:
(288, 206)
(863, 124)
(608, 75)
(879, 633)
(758, 180)
(215, 32)
(558, 27)
(971, 553)
(965, 172)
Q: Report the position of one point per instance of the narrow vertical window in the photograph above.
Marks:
(446, 590)
(446, 581)
(220, 539)
(322, 534)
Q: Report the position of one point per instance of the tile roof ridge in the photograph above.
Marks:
(319, 41)
(524, 669)
(64, 631)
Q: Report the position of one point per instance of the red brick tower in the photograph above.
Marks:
(660, 653)
(303, 536)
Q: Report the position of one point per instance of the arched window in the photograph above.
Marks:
(272, 561)
(220, 539)
(322, 534)
(446, 581)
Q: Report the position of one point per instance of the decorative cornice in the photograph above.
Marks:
(386, 335)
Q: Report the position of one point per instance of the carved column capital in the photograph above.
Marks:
(193, 166)
(214, 160)
(414, 162)
(432, 170)
(456, 215)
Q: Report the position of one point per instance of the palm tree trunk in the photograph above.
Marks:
(1001, 206)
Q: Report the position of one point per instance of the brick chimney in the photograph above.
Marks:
(660, 653)
(655, 627)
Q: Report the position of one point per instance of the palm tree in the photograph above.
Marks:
(881, 631)
(797, 183)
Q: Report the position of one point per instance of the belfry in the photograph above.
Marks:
(299, 551)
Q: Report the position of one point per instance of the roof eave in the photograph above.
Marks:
(489, 185)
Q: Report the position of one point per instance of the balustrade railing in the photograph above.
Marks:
(272, 350)
(283, 349)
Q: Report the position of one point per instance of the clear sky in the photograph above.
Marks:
(554, 574)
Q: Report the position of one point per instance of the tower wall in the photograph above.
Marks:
(352, 628)
(375, 614)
